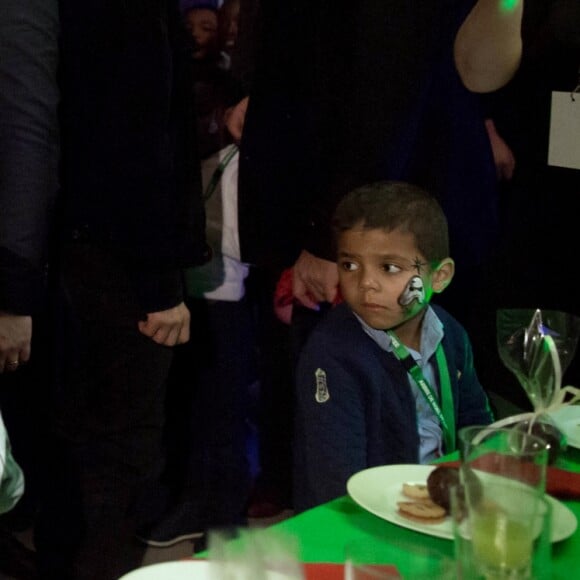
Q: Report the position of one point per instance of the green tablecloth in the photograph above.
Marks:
(324, 531)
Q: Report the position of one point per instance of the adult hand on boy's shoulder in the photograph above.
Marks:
(315, 280)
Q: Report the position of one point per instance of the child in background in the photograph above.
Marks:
(215, 89)
(229, 17)
(370, 366)
(201, 19)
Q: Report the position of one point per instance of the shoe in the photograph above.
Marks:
(175, 527)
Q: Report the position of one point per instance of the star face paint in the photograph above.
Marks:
(418, 265)
(414, 290)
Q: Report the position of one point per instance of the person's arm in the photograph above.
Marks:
(11, 476)
(160, 293)
(234, 118)
(488, 45)
(28, 164)
(503, 157)
(473, 404)
(330, 436)
(15, 339)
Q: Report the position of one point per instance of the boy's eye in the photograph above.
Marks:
(392, 268)
(348, 266)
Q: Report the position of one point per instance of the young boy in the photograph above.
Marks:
(359, 402)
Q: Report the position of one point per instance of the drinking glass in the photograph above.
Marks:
(253, 554)
(372, 560)
(488, 453)
(501, 533)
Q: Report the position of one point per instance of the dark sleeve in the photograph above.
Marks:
(330, 436)
(472, 402)
(159, 279)
(158, 288)
(28, 147)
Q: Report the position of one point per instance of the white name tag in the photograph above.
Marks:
(564, 148)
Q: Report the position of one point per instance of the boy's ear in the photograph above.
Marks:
(443, 275)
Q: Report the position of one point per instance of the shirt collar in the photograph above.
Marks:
(431, 335)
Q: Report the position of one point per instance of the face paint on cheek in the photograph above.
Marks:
(414, 290)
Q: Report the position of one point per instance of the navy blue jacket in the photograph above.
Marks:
(369, 418)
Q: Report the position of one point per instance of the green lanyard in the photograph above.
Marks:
(217, 174)
(446, 416)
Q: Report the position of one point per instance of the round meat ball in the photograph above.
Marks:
(439, 482)
(442, 479)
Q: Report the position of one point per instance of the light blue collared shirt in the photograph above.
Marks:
(428, 427)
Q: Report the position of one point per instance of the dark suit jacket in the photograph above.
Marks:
(130, 169)
(28, 148)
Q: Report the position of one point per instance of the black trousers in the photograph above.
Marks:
(275, 409)
(107, 412)
(207, 473)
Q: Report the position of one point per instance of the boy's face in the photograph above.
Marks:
(384, 278)
(203, 26)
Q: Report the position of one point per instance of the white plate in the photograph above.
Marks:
(568, 421)
(178, 570)
(378, 490)
(187, 570)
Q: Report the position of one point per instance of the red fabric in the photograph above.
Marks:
(283, 294)
(327, 571)
(330, 571)
(559, 482)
